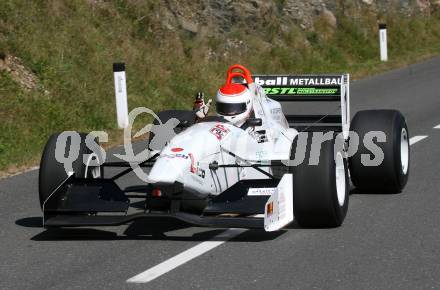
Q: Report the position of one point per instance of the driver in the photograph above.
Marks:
(234, 100)
(234, 103)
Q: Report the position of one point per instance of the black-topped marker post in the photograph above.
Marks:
(121, 95)
(383, 42)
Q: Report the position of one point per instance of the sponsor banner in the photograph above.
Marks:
(309, 86)
(302, 91)
(288, 81)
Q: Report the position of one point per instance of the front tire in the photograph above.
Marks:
(321, 192)
(52, 172)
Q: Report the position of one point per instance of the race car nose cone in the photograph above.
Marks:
(168, 170)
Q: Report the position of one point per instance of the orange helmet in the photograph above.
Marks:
(234, 100)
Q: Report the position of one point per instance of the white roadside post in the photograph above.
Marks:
(121, 95)
(383, 42)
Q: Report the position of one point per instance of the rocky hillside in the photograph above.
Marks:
(223, 19)
(167, 19)
(56, 55)
(217, 16)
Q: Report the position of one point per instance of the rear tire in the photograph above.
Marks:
(52, 172)
(391, 175)
(321, 192)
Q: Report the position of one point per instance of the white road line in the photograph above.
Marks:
(437, 127)
(185, 256)
(416, 139)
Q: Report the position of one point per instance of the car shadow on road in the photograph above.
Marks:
(369, 192)
(30, 222)
(146, 229)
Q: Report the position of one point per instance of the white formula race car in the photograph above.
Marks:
(213, 173)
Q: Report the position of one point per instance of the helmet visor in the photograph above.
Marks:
(230, 109)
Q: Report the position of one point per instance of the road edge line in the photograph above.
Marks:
(185, 256)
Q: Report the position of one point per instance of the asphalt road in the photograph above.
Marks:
(386, 241)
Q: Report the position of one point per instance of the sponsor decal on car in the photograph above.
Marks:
(261, 191)
(177, 155)
(176, 149)
(261, 154)
(277, 114)
(269, 209)
(194, 169)
(275, 111)
(219, 131)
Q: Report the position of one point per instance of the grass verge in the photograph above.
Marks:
(70, 47)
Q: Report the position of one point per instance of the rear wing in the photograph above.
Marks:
(311, 88)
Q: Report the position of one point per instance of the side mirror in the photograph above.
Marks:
(254, 122)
